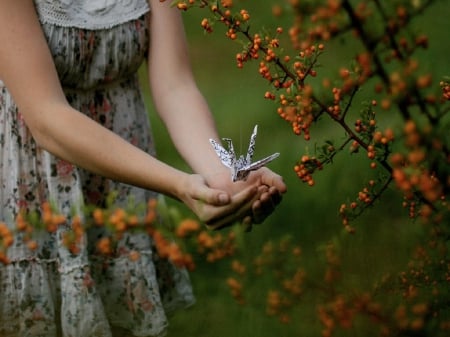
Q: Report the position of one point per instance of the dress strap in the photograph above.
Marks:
(90, 14)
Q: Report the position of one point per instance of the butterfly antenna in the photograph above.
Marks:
(230, 149)
(251, 145)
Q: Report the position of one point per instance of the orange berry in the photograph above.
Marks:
(32, 245)
(244, 14)
(409, 127)
(187, 227)
(424, 81)
(182, 6)
(389, 134)
(152, 203)
(386, 104)
(226, 3)
(377, 136)
(104, 245)
(133, 220)
(344, 73)
(4, 230)
(98, 216)
(8, 240)
(134, 255)
(277, 10)
(21, 224)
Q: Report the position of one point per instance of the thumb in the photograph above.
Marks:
(210, 196)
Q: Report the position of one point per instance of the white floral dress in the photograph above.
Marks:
(97, 46)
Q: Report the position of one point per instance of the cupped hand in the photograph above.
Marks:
(270, 188)
(218, 208)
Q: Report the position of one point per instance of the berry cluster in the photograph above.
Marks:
(170, 244)
(385, 74)
(306, 167)
(287, 277)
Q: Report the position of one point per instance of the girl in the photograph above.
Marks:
(73, 128)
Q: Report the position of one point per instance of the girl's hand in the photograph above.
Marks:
(268, 194)
(272, 188)
(215, 207)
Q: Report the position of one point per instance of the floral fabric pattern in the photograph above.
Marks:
(49, 291)
(91, 14)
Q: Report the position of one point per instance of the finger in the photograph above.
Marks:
(270, 178)
(270, 197)
(231, 219)
(266, 204)
(261, 210)
(274, 195)
(240, 204)
(263, 191)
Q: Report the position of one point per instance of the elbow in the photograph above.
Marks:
(39, 138)
(38, 131)
(41, 126)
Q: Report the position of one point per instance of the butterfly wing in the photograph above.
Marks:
(230, 148)
(242, 173)
(225, 156)
(251, 146)
(242, 166)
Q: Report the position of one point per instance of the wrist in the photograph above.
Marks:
(219, 178)
(179, 187)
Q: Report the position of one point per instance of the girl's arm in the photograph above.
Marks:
(176, 96)
(28, 71)
(185, 112)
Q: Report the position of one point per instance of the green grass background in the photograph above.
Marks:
(384, 235)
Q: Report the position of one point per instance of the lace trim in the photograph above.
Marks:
(90, 14)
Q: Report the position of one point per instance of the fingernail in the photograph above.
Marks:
(223, 198)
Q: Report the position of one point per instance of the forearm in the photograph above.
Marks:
(72, 136)
(175, 94)
(190, 125)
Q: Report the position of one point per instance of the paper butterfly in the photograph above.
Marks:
(240, 167)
